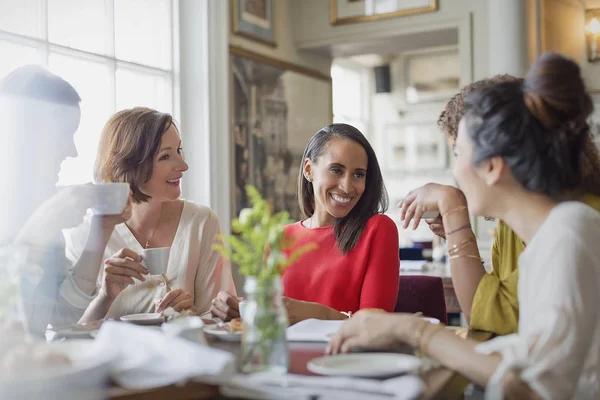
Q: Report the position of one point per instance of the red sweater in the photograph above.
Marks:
(366, 277)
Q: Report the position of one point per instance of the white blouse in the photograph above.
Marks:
(557, 348)
(194, 265)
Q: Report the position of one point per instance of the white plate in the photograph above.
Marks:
(366, 365)
(84, 379)
(144, 319)
(225, 335)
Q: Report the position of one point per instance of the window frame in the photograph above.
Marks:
(365, 83)
(45, 48)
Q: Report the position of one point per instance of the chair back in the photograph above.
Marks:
(422, 293)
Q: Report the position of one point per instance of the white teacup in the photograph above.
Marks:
(156, 260)
(110, 198)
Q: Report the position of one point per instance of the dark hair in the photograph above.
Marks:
(129, 141)
(374, 199)
(455, 108)
(35, 82)
(538, 127)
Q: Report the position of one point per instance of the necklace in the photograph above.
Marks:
(147, 244)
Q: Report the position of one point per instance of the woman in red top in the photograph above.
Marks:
(342, 197)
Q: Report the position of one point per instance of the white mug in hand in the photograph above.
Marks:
(110, 198)
(156, 260)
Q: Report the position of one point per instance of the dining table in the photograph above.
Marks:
(439, 382)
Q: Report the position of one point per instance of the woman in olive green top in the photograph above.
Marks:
(489, 301)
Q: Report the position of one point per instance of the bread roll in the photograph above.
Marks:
(236, 325)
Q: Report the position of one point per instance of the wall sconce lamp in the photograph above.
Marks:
(592, 34)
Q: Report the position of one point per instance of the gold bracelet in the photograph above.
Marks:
(427, 338)
(455, 248)
(454, 210)
(455, 252)
(419, 334)
(454, 257)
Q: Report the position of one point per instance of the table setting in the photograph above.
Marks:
(258, 356)
(181, 352)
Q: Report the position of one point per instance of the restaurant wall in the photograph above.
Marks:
(312, 28)
(286, 48)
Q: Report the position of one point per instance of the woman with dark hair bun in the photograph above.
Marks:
(518, 146)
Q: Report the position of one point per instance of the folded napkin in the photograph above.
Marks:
(146, 358)
(313, 330)
(267, 386)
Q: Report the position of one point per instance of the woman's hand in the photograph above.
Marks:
(119, 272)
(108, 222)
(179, 299)
(298, 310)
(430, 197)
(225, 306)
(369, 331)
(436, 225)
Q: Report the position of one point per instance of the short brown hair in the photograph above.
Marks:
(129, 141)
(455, 108)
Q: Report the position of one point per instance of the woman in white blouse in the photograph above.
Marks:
(142, 146)
(518, 147)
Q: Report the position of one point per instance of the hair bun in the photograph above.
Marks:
(555, 94)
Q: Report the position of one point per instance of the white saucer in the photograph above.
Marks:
(71, 333)
(365, 365)
(144, 319)
(221, 334)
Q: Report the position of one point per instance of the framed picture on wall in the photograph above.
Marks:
(255, 19)
(276, 108)
(348, 11)
(415, 146)
(431, 76)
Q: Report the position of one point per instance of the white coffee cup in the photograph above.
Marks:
(156, 260)
(110, 198)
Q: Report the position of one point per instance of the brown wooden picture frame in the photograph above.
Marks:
(335, 19)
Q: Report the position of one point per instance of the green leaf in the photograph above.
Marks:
(258, 248)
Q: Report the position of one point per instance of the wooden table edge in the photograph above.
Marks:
(184, 391)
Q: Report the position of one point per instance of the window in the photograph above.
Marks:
(350, 96)
(116, 53)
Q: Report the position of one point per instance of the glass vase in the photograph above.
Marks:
(264, 344)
